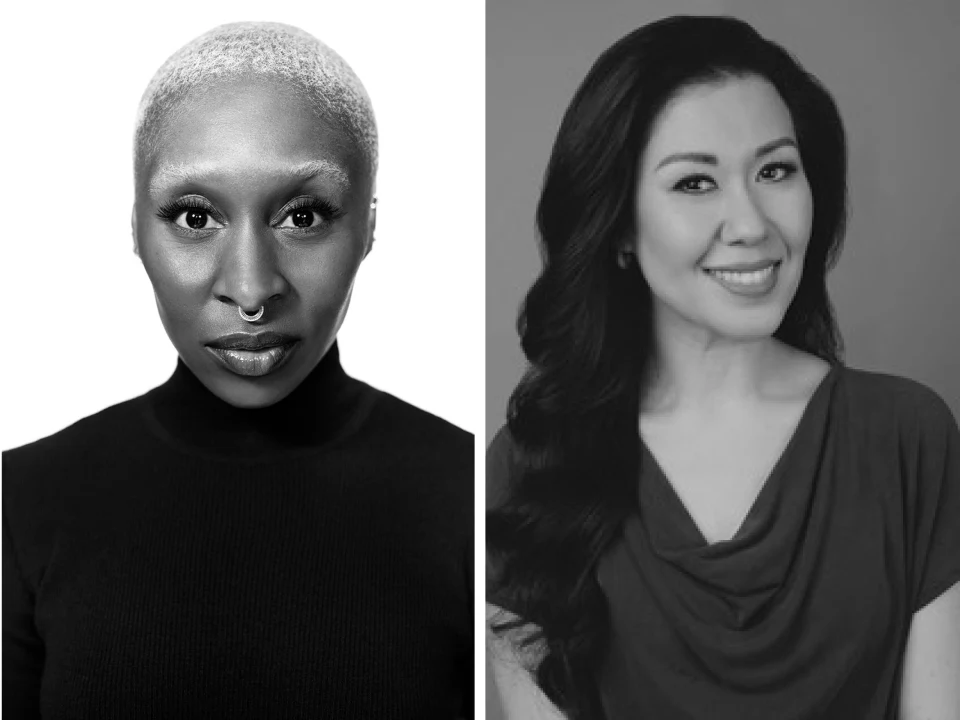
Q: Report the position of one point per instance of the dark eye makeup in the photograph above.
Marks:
(307, 214)
(192, 214)
(195, 211)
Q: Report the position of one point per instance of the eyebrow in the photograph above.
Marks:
(181, 173)
(708, 159)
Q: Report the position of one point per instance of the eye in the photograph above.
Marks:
(191, 215)
(776, 172)
(695, 184)
(302, 218)
(307, 214)
(196, 219)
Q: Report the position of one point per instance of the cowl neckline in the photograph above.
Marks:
(682, 534)
(317, 412)
(732, 584)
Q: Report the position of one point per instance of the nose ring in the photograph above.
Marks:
(251, 318)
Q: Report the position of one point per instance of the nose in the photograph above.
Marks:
(249, 273)
(744, 222)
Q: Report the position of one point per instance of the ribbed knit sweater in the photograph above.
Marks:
(173, 557)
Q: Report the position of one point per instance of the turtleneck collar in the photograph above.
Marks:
(322, 408)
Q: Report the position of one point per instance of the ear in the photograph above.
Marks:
(133, 228)
(372, 226)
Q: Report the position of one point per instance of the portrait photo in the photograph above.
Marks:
(411, 333)
(238, 467)
(723, 465)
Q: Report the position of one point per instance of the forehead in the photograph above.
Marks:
(729, 117)
(248, 127)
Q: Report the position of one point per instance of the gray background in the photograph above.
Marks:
(892, 68)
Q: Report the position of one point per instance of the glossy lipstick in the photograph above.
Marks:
(253, 355)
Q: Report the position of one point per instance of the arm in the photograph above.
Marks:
(930, 687)
(520, 697)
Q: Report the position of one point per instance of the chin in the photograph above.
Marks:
(748, 326)
(251, 395)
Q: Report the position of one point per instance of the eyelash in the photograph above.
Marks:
(326, 210)
(789, 169)
(171, 210)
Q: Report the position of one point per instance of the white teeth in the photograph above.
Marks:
(754, 277)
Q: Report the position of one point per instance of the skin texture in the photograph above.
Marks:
(243, 149)
(720, 183)
(694, 215)
(931, 665)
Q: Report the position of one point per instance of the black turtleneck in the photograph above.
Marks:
(174, 556)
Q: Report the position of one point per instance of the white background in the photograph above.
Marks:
(79, 318)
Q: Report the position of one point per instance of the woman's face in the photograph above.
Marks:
(724, 211)
(252, 200)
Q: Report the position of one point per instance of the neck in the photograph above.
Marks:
(694, 369)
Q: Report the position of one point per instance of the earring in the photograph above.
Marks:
(624, 258)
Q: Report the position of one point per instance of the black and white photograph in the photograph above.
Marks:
(238, 427)
(641, 315)
(723, 473)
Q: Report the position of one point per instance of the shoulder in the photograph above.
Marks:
(52, 483)
(413, 440)
(895, 400)
(903, 423)
(409, 423)
(86, 441)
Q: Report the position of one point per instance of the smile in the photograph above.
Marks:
(751, 282)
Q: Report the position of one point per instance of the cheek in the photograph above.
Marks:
(323, 276)
(180, 275)
(319, 275)
(793, 214)
(673, 237)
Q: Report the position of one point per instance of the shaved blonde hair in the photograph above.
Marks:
(261, 50)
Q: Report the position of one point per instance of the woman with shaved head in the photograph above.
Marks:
(262, 535)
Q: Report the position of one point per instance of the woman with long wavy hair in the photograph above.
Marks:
(697, 510)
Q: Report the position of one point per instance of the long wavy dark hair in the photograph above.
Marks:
(586, 329)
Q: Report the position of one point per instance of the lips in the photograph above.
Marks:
(249, 341)
(748, 279)
(251, 355)
(744, 266)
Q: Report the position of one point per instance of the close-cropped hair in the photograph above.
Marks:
(261, 50)
(586, 328)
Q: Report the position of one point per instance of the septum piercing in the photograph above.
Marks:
(251, 318)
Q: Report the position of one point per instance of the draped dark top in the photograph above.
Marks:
(804, 612)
